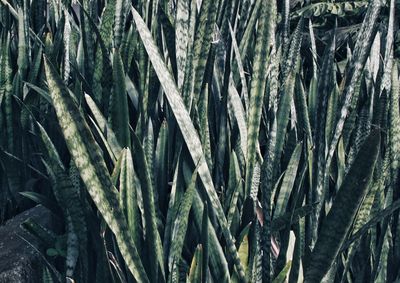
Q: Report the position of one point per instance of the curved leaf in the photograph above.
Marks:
(87, 157)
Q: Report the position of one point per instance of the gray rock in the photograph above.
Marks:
(19, 261)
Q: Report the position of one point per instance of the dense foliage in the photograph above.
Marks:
(204, 140)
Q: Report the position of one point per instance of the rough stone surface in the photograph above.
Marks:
(19, 261)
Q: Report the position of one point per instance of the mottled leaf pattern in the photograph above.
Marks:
(345, 206)
(88, 160)
(204, 140)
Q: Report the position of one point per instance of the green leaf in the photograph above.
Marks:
(371, 223)
(161, 166)
(187, 129)
(104, 127)
(203, 113)
(153, 240)
(119, 114)
(238, 115)
(243, 254)
(322, 9)
(196, 271)
(302, 109)
(107, 22)
(344, 208)
(22, 43)
(88, 159)
(394, 129)
(354, 70)
(264, 39)
(217, 261)
(118, 22)
(197, 59)
(205, 244)
(128, 196)
(182, 37)
(323, 89)
(288, 182)
(46, 236)
(6, 92)
(181, 224)
(280, 278)
(43, 200)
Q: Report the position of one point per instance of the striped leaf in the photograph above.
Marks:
(324, 88)
(128, 196)
(119, 115)
(284, 272)
(6, 92)
(288, 182)
(344, 208)
(181, 224)
(394, 130)
(187, 129)
(119, 18)
(365, 39)
(153, 241)
(22, 43)
(87, 157)
(197, 59)
(196, 274)
(265, 36)
(104, 126)
(182, 37)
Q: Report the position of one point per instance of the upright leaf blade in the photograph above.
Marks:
(340, 217)
(187, 129)
(265, 37)
(119, 115)
(288, 182)
(87, 157)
